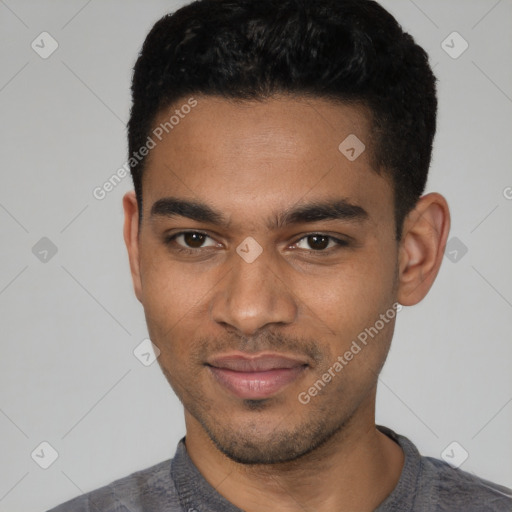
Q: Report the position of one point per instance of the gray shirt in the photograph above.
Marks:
(176, 485)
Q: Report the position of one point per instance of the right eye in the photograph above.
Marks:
(192, 240)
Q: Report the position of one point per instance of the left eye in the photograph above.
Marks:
(193, 240)
(318, 242)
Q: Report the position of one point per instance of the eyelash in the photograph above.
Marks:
(171, 242)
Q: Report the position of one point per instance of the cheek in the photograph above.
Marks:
(351, 296)
(170, 289)
(164, 295)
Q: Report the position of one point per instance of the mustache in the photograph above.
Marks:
(266, 341)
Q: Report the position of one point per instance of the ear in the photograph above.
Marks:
(424, 236)
(131, 239)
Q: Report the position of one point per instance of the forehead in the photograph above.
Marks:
(282, 126)
(263, 153)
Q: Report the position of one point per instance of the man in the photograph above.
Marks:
(279, 153)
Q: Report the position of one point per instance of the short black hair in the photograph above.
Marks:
(352, 51)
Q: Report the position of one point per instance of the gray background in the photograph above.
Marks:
(70, 323)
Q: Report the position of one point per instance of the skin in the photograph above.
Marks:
(252, 162)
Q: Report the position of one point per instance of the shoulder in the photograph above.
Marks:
(456, 489)
(430, 484)
(144, 490)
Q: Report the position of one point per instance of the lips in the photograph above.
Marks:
(255, 377)
(260, 363)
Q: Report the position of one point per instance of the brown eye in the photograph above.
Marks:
(318, 242)
(191, 240)
(194, 240)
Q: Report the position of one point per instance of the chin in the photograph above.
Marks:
(251, 444)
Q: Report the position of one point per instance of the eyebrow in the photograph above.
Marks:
(200, 212)
(338, 209)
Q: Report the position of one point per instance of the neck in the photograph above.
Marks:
(356, 469)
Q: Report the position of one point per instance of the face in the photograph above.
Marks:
(264, 253)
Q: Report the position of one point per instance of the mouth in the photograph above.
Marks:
(255, 377)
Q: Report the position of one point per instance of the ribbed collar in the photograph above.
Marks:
(196, 494)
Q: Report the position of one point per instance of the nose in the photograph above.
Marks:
(253, 296)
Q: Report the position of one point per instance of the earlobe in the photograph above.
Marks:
(422, 247)
(131, 239)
